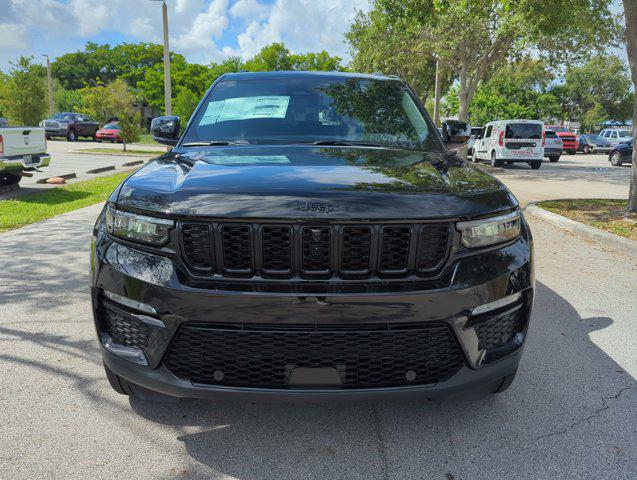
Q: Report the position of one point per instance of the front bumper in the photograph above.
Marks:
(24, 162)
(56, 132)
(156, 281)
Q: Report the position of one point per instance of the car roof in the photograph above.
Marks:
(303, 74)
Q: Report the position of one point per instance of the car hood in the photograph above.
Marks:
(311, 182)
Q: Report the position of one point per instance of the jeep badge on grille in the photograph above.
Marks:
(316, 207)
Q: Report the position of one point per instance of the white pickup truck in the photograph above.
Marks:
(21, 149)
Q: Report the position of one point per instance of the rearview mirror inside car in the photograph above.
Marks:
(165, 130)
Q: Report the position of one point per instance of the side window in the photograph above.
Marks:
(487, 132)
(605, 134)
(613, 135)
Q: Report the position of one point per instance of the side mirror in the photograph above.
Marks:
(165, 130)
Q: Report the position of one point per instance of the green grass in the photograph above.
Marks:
(605, 214)
(120, 151)
(146, 139)
(33, 207)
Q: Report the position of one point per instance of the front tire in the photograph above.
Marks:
(71, 136)
(494, 161)
(587, 149)
(553, 159)
(536, 164)
(8, 179)
(616, 159)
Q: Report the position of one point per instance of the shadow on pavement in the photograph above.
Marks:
(558, 395)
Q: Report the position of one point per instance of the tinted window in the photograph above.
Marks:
(523, 131)
(624, 134)
(293, 110)
(551, 134)
(560, 129)
(594, 138)
(487, 134)
(476, 132)
(613, 134)
(111, 126)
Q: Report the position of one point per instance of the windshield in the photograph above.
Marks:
(308, 110)
(63, 116)
(524, 131)
(594, 138)
(551, 134)
(111, 126)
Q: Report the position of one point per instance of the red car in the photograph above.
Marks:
(110, 132)
(569, 139)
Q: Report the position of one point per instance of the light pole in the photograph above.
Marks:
(49, 84)
(167, 87)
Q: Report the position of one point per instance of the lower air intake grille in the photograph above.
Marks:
(125, 330)
(500, 331)
(267, 356)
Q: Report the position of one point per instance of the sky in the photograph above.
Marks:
(202, 30)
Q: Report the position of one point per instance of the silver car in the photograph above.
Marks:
(614, 136)
(553, 146)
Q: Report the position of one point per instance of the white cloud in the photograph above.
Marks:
(198, 39)
(202, 30)
(14, 36)
(303, 25)
(249, 9)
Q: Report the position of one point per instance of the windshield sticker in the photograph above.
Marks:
(245, 108)
(248, 159)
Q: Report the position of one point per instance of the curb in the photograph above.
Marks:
(110, 154)
(607, 239)
(101, 169)
(66, 176)
(132, 164)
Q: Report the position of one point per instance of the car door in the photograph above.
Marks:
(482, 142)
(613, 138)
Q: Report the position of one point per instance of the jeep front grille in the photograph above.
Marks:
(358, 356)
(315, 251)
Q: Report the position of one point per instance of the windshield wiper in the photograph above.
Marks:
(213, 143)
(340, 143)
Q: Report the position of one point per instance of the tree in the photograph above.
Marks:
(470, 37)
(185, 103)
(66, 100)
(602, 80)
(271, 57)
(593, 117)
(121, 103)
(630, 35)
(377, 44)
(23, 94)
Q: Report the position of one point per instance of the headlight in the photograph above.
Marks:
(138, 228)
(489, 231)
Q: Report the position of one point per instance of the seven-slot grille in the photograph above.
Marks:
(360, 356)
(315, 251)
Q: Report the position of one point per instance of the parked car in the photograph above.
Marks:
(591, 143)
(621, 153)
(614, 136)
(70, 126)
(310, 235)
(553, 146)
(568, 137)
(476, 133)
(21, 149)
(110, 132)
(4, 122)
(511, 141)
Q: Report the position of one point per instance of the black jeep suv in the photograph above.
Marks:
(310, 235)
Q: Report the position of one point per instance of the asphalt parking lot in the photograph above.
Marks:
(569, 414)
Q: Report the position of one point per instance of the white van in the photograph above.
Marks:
(509, 141)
